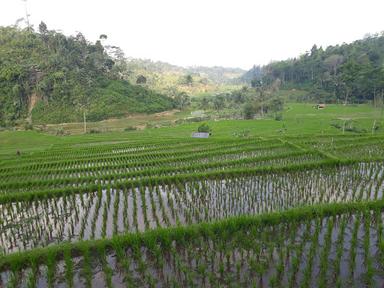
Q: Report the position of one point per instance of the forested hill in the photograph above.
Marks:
(55, 78)
(215, 74)
(344, 73)
(173, 80)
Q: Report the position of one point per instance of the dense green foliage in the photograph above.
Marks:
(246, 102)
(157, 72)
(173, 80)
(343, 73)
(113, 98)
(58, 77)
(204, 128)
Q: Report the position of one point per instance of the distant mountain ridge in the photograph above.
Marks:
(171, 79)
(216, 74)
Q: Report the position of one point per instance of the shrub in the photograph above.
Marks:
(28, 126)
(130, 128)
(279, 117)
(94, 131)
(204, 128)
(249, 111)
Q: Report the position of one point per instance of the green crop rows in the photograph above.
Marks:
(258, 212)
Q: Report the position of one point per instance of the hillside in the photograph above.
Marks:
(347, 73)
(171, 79)
(46, 76)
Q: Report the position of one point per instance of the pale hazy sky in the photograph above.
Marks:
(237, 33)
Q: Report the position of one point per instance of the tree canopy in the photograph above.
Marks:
(343, 73)
(55, 77)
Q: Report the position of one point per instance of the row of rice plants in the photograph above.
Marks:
(121, 167)
(318, 246)
(179, 148)
(106, 212)
(134, 161)
(115, 176)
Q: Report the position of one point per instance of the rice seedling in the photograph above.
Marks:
(288, 212)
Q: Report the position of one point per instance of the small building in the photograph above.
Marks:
(200, 135)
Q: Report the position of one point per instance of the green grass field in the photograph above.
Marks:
(298, 119)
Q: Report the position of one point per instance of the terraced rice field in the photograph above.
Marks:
(257, 212)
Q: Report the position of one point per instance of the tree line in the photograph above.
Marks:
(347, 73)
(247, 102)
